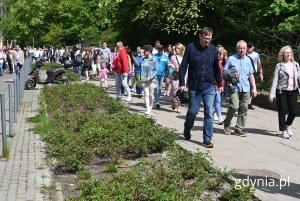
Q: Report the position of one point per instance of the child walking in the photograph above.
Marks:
(103, 76)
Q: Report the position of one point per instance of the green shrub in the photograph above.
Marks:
(155, 180)
(71, 75)
(48, 66)
(82, 120)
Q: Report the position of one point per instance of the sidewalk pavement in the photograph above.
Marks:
(24, 175)
(263, 153)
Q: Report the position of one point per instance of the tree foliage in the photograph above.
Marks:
(138, 22)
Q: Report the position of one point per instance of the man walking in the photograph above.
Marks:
(240, 67)
(18, 59)
(163, 61)
(257, 65)
(121, 69)
(203, 71)
(105, 56)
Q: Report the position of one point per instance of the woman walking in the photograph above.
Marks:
(173, 74)
(149, 70)
(285, 87)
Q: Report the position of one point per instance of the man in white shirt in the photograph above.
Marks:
(257, 67)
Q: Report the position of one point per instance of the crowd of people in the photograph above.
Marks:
(200, 71)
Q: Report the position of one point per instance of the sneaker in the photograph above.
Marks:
(165, 93)
(157, 106)
(128, 99)
(220, 120)
(117, 98)
(208, 144)
(227, 129)
(187, 134)
(148, 112)
(240, 132)
(285, 134)
(250, 107)
(215, 117)
(289, 131)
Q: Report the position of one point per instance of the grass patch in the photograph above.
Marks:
(6, 151)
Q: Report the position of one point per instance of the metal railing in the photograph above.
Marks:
(15, 96)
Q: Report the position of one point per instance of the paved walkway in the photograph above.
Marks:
(24, 175)
(262, 153)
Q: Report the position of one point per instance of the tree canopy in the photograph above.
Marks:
(270, 23)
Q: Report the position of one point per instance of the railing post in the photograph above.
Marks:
(15, 101)
(3, 122)
(18, 91)
(10, 113)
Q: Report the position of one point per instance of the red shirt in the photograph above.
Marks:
(121, 62)
(221, 70)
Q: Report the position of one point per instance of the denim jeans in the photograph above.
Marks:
(120, 79)
(1, 70)
(157, 90)
(218, 102)
(18, 68)
(195, 97)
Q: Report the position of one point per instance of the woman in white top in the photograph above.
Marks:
(174, 64)
(285, 87)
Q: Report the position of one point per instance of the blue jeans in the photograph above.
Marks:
(157, 90)
(1, 70)
(120, 79)
(218, 102)
(195, 97)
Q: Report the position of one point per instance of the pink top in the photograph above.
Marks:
(103, 74)
(290, 70)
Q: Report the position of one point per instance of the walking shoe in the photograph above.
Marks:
(220, 120)
(227, 129)
(128, 99)
(208, 144)
(240, 132)
(289, 131)
(250, 107)
(179, 110)
(187, 134)
(148, 112)
(157, 106)
(285, 135)
(215, 117)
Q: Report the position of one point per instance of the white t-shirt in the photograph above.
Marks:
(256, 59)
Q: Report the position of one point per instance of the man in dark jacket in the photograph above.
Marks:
(201, 60)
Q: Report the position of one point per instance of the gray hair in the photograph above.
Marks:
(119, 44)
(239, 43)
(281, 53)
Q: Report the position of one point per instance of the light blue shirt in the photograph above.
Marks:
(163, 61)
(244, 68)
(149, 68)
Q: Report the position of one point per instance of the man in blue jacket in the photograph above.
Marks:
(201, 60)
(163, 61)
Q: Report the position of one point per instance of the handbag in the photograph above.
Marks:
(298, 70)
